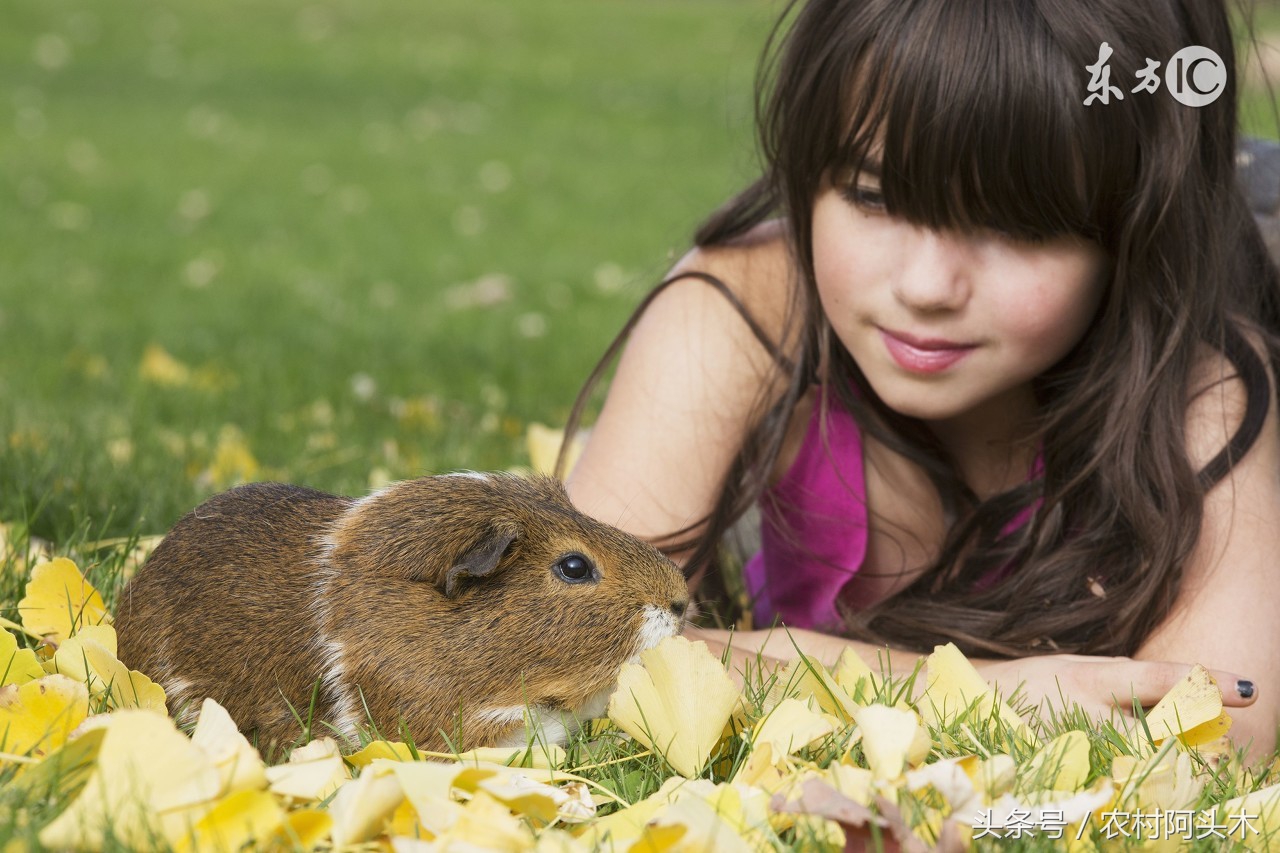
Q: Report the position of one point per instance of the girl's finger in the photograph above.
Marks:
(1150, 681)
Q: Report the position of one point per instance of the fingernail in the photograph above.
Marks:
(1244, 688)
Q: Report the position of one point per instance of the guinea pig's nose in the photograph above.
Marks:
(679, 607)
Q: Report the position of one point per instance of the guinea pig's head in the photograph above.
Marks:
(529, 593)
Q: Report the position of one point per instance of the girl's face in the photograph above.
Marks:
(945, 325)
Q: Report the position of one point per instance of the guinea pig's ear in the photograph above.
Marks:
(482, 558)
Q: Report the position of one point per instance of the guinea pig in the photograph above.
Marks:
(459, 604)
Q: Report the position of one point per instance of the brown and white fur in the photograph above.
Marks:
(441, 601)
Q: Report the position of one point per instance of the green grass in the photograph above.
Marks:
(288, 193)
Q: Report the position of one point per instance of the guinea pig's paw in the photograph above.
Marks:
(530, 723)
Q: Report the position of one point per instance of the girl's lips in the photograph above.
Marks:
(920, 355)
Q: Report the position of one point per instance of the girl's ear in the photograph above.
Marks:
(480, 560)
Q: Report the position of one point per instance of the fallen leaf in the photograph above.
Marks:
(852, 672)
(160, 368)
(312, 772)
(805, 677)
(17, 666)
(150, 781)
(791, 727)
(243, 817)
(543, 443)
(238, 763)
(1192, 710)
(59, 601)
(954, 686)
(361, 807)
(892, 739)
(90, 656)
(1062, 764)
(677, 702)
(38, 716)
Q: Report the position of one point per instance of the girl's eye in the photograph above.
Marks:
(867, 198)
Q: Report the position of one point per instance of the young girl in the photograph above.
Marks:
(995, 362)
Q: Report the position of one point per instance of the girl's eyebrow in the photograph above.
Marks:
(870, 166)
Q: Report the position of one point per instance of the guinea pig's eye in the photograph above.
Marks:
(573, 568)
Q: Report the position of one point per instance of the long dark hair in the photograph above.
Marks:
(980, 111)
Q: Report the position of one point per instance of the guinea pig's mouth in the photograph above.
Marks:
(656, 624)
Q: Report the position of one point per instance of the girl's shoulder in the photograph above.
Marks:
(757, 268)
(1219, 396)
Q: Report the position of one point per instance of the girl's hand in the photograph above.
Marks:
(1101, 685)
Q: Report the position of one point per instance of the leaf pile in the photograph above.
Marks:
(807, 757)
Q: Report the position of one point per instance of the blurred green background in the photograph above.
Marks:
(338, 242)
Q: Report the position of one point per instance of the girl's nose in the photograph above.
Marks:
(935, 274)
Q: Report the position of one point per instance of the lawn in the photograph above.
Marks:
(383, 236)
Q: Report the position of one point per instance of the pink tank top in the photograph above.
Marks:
(822, 503)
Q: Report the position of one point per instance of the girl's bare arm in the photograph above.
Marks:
(686, 388)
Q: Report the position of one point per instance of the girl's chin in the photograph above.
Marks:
(926, 401)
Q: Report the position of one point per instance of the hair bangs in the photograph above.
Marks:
(975, 121)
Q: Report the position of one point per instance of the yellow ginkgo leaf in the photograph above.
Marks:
(1165, 780)
(542, 755)
(150, 781)
(427, 787)
(804, 678)
(544, 443)
(312, 772)
(954, 685)
(705, 827)
(62, 771)
(525, 796)
(677, 702)
(363, 805)
(628, 825)
(1195, 701)
(392, 750)
(892, 739)
(243, 817)
(790, 727)
(1062, 764)
(37, 717)
(991, 776)
(59, 601)
(89, 656)
(486, 824)
(161, 368)
(1262, 808)
(17, 666)
(950, 781)
(238, 763)
(852, 781)
(760, 770)
(233, 462)
(36, 551)
(850, 671)
(302, 830)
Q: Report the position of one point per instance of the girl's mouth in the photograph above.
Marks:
(923, 355)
